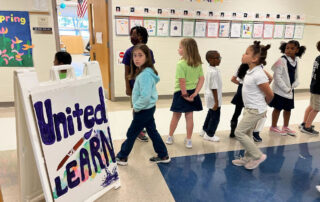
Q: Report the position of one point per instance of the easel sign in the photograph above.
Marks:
(71, 121)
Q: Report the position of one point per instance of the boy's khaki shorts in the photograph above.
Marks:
(315, 101)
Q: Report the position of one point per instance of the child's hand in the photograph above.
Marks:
(188, 98)
(193, 95)
(128, 91)
(215, 107)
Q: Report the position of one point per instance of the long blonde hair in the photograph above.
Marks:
(190, 52)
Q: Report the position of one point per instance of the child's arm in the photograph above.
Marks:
(126, 74)
(198, 88)
(182, 83)
(277, 76)
(296, 80)
(265, 88)
(234, 80)
(145, 88)
(215, 97)
(269, 76)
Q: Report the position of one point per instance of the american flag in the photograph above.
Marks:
(82, 8)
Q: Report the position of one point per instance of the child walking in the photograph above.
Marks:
(237, 78)
(189, 81)
(213, 97)
(285, 80)
(138, 34)
(314, 107)
(144, 97)
(255, 92)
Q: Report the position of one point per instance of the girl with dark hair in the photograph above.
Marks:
(285, 80)
(138, 34)
(144, 98)
(255, 93)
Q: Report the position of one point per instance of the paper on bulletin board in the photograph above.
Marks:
(257, 30)
(212, 29)
(135, 21)
(175, 27)
(268, 30)
(235, 29)
(278, 31)
(224, 29)
(289, 31)
(247, 29)
(188, 28)
(298, 31)
(151, 26)
(200, 29)
(162, 27)
(122, 26)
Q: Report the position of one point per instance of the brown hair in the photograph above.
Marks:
(191, 52)
(260, 50)
(149, 63)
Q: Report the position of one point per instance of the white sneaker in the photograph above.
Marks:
(318, 188)
(202, 132)
(169, 140)
(188, 143)
(212, 139)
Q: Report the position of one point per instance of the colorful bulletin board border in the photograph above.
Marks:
(15, 39)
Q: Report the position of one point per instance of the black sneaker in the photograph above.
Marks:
(122, 161)
(309, 131)
(256, 137)
(302, 125)
(157, 159)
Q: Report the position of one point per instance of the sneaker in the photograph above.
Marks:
(255, 163)
(157, 159)
(289, 131)
(169, 140)
(303, 124)
(212, 139)
(122, 161)
(318, 188)
(239, 162)
(256, 137)
(202, 132)
(188, 143)
(276, 130)
(142, 137)
(309, 131)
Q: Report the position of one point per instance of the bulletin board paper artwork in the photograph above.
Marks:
(69, 143)
(224, 29)
(151, 26)
(200, 29)
(212, 29)
(162, 27)
(278, 31)
(15, 39)
(298, 31)
(188, 28)
(268, 30)
(175, 27)
(247, 29)
(257, 30)
(135, 21)
(289, 31)
(122, 26)
(235, 29)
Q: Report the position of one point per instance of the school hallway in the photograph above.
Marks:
(203, 173)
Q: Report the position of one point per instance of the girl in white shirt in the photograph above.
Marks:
(285, 80)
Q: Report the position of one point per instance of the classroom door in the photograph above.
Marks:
(99, 39)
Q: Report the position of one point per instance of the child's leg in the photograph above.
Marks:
(189, 123)
(134, 130)
(248, 122)
(214, 122)
(312, 115)
(206, 122)
(286, 118)
(174, 122)
(158, 144)
(234, 120)
(275, 117)
(260, 125)
(306, 113)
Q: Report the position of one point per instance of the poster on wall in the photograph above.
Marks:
(162, 27)
(298, 31)
(151, 26)
(212, 29)
(135, 21)
(200, 29)
(75, 138)
(289, 31)
(188, 28)
(175, 27)
(15, 39)
(122, 26)
(247, 28)
(257, 30)
(278, 31)
(268, 30)
(235, 30)
(224, 29)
